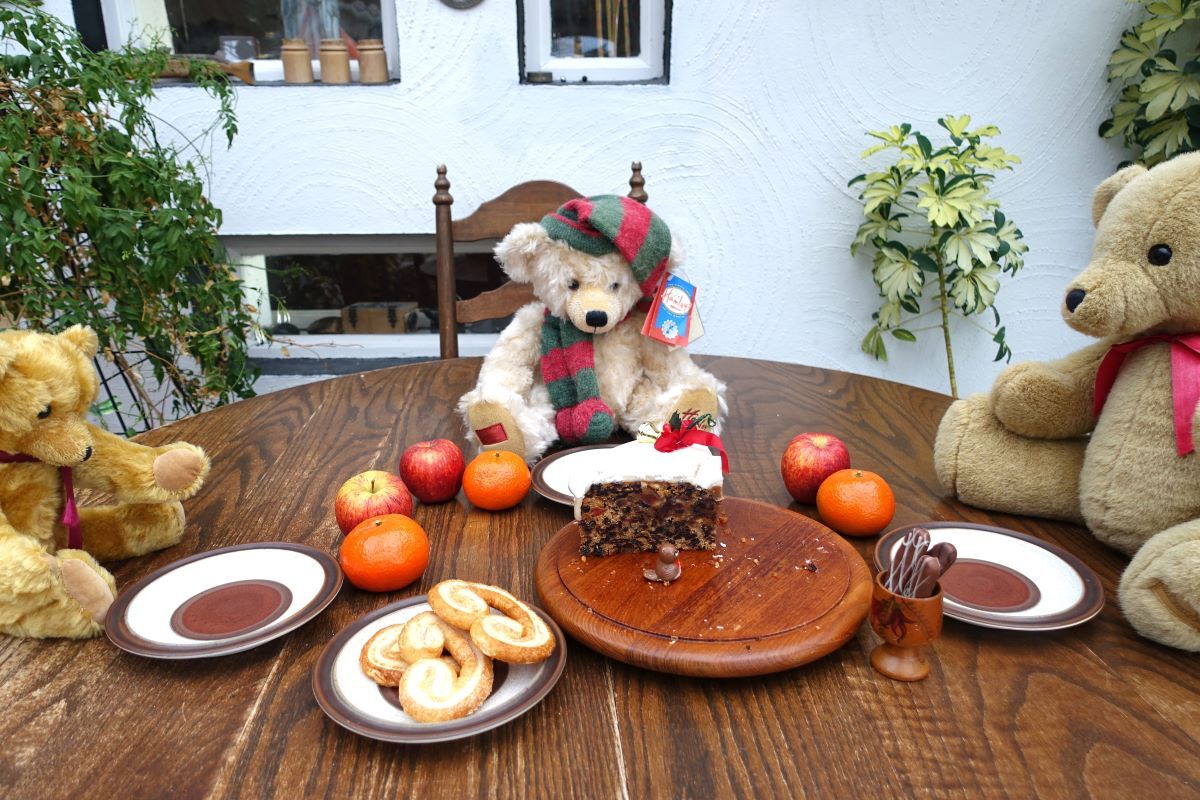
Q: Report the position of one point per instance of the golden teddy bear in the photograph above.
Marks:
(1105, 436)
(49, 586)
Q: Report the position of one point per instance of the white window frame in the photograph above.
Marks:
(121, 25)
(249, 252)
(645, 67)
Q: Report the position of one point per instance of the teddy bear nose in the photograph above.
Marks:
(1074, 298)
(596, 319)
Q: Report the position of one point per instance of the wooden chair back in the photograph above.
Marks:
(526, 202)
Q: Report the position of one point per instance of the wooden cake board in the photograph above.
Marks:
(780, 590)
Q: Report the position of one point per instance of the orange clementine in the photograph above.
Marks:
(855, 502)
(496, 479)
(384, 553)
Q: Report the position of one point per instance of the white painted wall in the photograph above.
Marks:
(747, 151)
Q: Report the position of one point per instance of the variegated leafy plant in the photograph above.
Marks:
(940, 241)
(1158, 63)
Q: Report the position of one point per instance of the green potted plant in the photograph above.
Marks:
(107, 225)
(1157, 65)
(940, 242)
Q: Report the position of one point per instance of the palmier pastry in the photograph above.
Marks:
(432, 690)
(387, 654)
(518, 637)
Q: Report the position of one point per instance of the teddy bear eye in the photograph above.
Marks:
(573, 285)
(45, 412)
(616, 286)
(1159, 255)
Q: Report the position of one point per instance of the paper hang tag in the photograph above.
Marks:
(695, 328)
(673, 318)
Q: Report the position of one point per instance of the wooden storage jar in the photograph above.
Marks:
(297, 61)
(335, 61)
(372, 61)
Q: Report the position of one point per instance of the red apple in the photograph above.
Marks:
(810, 458)
(433, 470)
(370, 494)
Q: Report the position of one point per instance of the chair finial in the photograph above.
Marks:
(637, 184)
(442, 184)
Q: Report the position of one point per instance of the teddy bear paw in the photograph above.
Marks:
(953, 429)
(179, 470)
(1160, 589)
(85, 586)
(496, 428)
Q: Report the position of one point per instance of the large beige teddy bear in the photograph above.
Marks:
(49, 585)
(573, 366)
(1135, 481)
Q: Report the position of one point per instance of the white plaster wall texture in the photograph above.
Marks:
(747, 152)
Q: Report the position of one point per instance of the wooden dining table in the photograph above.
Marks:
(1093, 710)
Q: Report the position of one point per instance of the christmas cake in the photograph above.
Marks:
(641, 498)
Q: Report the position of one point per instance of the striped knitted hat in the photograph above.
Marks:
(608, 223)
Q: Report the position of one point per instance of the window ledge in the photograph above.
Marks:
(363, 345)
(585, 82)
(170, 83)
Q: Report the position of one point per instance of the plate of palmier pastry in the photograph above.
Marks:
(464, 659)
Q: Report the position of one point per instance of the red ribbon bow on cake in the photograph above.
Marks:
(680, 433)
(1185, 379)
(70, 515)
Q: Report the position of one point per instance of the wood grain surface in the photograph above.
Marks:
(1090, 711)
(779, 590)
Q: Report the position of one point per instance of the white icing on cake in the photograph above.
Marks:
(639, 461)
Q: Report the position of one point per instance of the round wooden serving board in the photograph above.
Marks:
(750, 607)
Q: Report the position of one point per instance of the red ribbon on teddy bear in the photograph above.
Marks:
(70, 515)
(1185, 379)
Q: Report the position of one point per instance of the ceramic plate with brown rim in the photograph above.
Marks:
(358, 704)
(223, 601)
(1006, 579)
(556, 475)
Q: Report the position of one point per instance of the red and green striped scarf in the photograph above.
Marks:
(569, 370)
(597, 226)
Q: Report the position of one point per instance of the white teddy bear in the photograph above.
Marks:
(574, 364)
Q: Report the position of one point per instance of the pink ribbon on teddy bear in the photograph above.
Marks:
(70, 515)
(1185, 379)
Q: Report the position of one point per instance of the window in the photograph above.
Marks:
(254, 30)
(594, 41)
(313, 284)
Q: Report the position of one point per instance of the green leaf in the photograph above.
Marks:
(926, 147)
(877, 227)
(1126, 61)
(944, 209)
(1167, 137)
(924, 261)
(888, 315)
(897, 275)
(903, 335)
(966, 246)
(872, 345)
(1166, 17)
(957, 126)
(893, 137)
(976, 291)
(1168, 90)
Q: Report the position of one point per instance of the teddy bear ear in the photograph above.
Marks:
(82, 339)
(1107, 190)
(518, 251)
